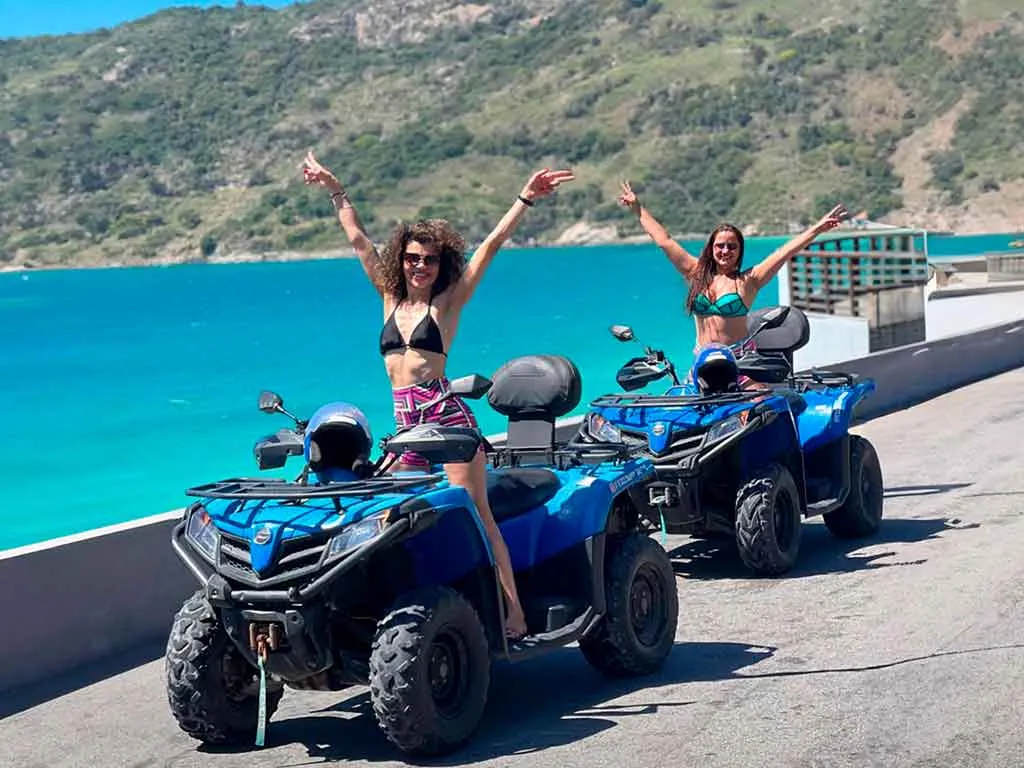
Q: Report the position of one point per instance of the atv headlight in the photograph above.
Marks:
(201, 531)
(725, 428)
(603, 430)
(357, 533)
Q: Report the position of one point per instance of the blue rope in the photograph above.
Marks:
(261, 724)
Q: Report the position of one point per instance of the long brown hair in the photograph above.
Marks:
(437, 233)
(706, 266)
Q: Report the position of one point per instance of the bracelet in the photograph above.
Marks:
(343, 193)
(524, 201)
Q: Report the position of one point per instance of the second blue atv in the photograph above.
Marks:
(350, 575)
(748, 463)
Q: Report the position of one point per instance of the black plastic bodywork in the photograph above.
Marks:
(438, 445)
(272, 451)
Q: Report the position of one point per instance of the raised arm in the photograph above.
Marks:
(762, 274)
(680, 258)
(541, 184)
(314, 173)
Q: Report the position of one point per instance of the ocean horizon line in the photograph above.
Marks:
(280, 257)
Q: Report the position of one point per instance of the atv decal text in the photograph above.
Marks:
(630, 477)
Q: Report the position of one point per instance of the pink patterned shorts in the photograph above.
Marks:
(410, 402)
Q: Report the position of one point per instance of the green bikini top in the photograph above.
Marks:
(726, 305)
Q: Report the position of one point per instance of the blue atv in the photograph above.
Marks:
(349, 575)
(747, 463)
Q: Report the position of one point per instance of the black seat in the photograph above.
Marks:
(793, 334)
(533, 391)
(515, 491)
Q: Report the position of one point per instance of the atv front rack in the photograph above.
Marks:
(674, 401)
(258, 488)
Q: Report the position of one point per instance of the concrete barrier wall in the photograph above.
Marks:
(82, 599)
(948, 316)
(833, 338)
(908, 375)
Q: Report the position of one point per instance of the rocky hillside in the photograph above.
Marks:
(180, 136)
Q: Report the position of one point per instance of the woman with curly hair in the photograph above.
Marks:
(721, 291)
(424, 282)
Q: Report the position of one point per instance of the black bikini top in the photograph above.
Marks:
(425, 336)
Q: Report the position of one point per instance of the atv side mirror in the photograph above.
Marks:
(270, 402)
(473, 386)
(622, 332)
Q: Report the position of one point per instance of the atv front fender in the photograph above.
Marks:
(829, 413)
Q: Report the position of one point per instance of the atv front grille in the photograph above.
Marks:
(634, 439)
(686, 444)
(295, 558)
(234, 557)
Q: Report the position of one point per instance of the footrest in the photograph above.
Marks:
(820, 507)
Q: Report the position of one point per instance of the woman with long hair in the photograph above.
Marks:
(721, 291)
(424, 282)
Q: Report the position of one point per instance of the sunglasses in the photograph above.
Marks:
(426, 259)
(727, 246)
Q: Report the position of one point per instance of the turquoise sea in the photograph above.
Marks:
(122, 387)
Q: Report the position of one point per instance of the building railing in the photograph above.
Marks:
(836, 283)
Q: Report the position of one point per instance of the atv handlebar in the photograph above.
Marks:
(272, 451)
(655, 364)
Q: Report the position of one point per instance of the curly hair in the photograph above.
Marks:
(706, 266)
(438, 233)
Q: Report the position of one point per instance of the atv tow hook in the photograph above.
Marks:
(259, 642)
(263, 636)
(663, 493)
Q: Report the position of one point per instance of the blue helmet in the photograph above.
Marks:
(338, 437)
(715, 369)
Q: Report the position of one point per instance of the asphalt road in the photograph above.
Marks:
(907, 650)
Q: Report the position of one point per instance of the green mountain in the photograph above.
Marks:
(181, 135)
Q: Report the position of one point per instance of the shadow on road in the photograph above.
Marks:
(20, 699)
(549, 701)
(820, 552)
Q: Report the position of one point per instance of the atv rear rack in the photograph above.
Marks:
(561, 455)
(258, 488)
(811, 378)
(674, 401)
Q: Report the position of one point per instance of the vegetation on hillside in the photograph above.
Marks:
(181, 135)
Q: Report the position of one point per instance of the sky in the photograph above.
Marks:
(25, 18)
